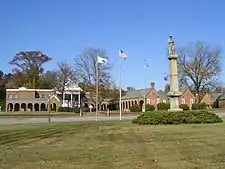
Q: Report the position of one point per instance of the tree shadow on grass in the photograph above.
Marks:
(28, 137)
(24, 136)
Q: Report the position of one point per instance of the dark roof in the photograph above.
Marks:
(217, 95)
(26, 100)
(221, 96)
(142, 92)
(135, 93)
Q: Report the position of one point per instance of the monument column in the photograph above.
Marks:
(174, 92)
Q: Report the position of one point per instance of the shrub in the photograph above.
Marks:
(135, 108)
(149, 107)
(184, 106)
(163, 106)
(215, 104)
(2, 105)
(198, 106)
(69, 109)
(112, 106)
(164, 117)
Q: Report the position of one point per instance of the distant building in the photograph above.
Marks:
(23, 99)
(153, 97)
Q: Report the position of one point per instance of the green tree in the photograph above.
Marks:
(29, 64)
(49, 79)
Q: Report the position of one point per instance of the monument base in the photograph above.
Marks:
(175, 110)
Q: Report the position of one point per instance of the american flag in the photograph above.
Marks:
(166, 77)
(122, 54)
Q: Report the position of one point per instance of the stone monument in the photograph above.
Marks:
(174, 92)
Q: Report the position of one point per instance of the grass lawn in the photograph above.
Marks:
(119, 145)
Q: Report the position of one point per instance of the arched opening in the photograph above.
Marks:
(135, 102)
(10, 107)
(85, 105)
(24, 107)
(132, 103)
(36, 107)
(17, 107)
(123, 106)
(43, 107)
(129, 105)
(126, 105)
(30, 107)
(141, 103)
(53, 106)
(103, 107)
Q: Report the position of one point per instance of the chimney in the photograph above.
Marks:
(152, 85)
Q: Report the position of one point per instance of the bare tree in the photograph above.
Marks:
(30, 65)
(199, 66)
(85, 71)
(64, 76)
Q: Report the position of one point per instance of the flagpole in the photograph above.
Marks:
(120, 81)
(96, 115)
(145, 74)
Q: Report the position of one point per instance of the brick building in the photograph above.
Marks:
(153, 97)
(23, 99)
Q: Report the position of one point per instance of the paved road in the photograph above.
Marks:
(220, 113)
(5, 121)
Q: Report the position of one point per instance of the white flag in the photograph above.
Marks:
(101, 60)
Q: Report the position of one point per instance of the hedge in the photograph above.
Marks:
(149, 108)
(163, 106)
(198, 106)
(135, 108)
(75, 110)
(164, 117)
(184, 106)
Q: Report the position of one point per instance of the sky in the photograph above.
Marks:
(63, 29)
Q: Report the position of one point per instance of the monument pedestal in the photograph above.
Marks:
(175, 110)
(174, 102)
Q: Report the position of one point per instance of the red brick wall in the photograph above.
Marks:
(153, 95)
(187, 95)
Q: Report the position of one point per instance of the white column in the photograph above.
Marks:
(79, 99)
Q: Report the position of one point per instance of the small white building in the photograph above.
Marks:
(71, 97)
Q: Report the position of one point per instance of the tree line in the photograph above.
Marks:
(28, 72)
(199, 67)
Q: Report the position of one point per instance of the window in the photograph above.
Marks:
(149, 101)
(10, 96)
(15, 96)
(183, 101)
(191, 101)
(43, 96)
(158, 100)
(164, 101)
